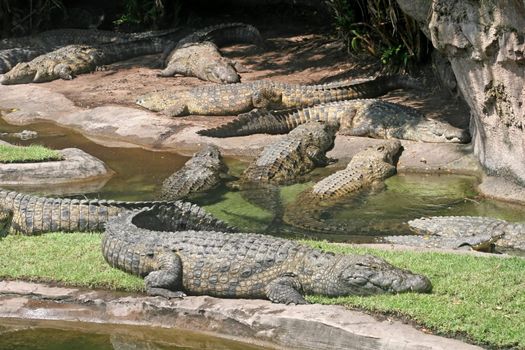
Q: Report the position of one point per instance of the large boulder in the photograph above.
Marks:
(485, 44)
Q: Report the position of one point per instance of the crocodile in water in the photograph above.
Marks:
(299, 152)
(195, 260)
(454, 232)
(238, 98)
(367, 168)
(361, 117)
(31, 215)
(202, 172)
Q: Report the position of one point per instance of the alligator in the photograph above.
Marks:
(242, 97)
(204, 61)
(28, 214)
(23, 49)
(176, 256)
(367, 168)
(202, 172)
(454, 232)
(303, 149)
(72, 60)
(361, 117)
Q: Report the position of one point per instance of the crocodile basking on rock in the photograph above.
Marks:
(367, 168)
(299, 152)
(191, 258)
(238, 98)
(23, 49)
(204, 61)
(72, 60)
(454, 232)
(360, 117)
(31, 215)
(198, 55)
(202, 172)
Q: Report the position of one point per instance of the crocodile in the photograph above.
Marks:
(242, 97)
(28, 214)
(23, 49)
(454, 232)
(202, 172)
(72, 60)
(176, 256)
(22, 135)
(197, 54)
(204, 61)
(361, 117)
(367, 168)
(303, 149)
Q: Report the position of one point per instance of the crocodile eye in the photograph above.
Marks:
(356, 280)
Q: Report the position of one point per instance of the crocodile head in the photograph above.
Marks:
(22, 73)
(222, 72)
(430, 130)
(365, 275)
(170, 104)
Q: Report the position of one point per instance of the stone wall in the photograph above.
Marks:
(484, 40)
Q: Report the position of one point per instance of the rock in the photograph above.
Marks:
(484, 43)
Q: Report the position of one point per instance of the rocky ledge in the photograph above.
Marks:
(257, 321)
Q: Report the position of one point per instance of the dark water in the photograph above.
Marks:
(61, 335)
(358, 218)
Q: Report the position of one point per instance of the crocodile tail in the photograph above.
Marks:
(11, 57)
(225, 34)
(256, 121)
(112, 52)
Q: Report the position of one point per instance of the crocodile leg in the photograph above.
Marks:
(165, 281)
(176, 110)
(285, 290)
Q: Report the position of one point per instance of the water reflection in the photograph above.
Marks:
(61, 335)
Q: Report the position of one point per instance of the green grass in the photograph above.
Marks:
(24, 154)
(479, 298)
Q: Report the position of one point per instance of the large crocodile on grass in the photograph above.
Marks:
(188, 258)
(23, 49)
(202, 172)
(28, 214)
(242, 97)
(367, 168)
(454, 232)
(299, 152)
(361, 117)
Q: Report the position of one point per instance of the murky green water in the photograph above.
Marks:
(355, 218)
(60, 335)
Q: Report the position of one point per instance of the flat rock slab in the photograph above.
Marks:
(78, 171)
(260, 321)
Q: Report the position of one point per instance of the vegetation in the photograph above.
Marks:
(380, 28)
(24, 154)
(467, 300)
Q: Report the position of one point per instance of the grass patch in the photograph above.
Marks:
(480, 298)
(25, 154)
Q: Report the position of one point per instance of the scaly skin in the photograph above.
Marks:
(361, 117)
(303, 149)
(478, 233)
(202, 172)
(193, 260)
(242, 97)
(72, 60)
(367, 168)
(16, 50)
(197, 54)
(202, 60)
(31, 215)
